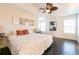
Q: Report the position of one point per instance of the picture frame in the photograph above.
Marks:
(52, 25)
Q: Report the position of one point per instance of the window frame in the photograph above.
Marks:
(65, 31)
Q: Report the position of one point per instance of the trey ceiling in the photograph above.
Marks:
(63, 8)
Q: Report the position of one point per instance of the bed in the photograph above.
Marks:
(31, 44)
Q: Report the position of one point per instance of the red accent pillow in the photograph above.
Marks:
(25, 32)
(19, 32)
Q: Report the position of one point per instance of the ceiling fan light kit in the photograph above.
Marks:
(47, 11)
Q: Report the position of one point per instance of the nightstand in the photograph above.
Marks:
(38, 32)
(3, 41)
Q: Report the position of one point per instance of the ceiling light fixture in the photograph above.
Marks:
(47, 11)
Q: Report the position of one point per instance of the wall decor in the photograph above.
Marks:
(52, 26)
(12, 20)
(24, 21)
(21, 21)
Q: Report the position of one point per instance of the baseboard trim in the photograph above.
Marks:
(64, 38)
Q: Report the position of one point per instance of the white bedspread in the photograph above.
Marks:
(32, 44)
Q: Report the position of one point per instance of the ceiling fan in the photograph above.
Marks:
(49, 8)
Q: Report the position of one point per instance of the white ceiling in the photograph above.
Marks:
(63, 8)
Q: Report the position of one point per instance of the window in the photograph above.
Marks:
(69, 26)
(41, 25)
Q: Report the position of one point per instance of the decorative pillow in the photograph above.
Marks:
(19, 32)
(25, 32)
(22, 32)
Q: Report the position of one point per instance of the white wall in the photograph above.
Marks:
(78, 27)
(6, 13)
(60, 27)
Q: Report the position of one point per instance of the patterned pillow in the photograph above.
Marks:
(22, 32)
(19, 32)
(25, 32)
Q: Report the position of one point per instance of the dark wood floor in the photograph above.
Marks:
(58, 47)
(63, 47)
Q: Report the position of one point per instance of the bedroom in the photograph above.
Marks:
(59, 39)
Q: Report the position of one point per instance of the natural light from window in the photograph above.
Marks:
(41, 24)
(69, 26)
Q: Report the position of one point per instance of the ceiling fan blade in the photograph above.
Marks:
(44, 11)
(42, 8)
(49, 4)
(54, 8)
